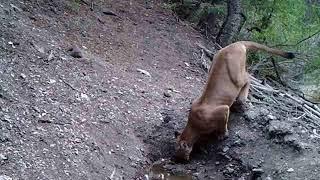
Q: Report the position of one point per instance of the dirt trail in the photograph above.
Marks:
(112, 113)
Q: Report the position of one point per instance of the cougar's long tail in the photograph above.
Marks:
(256, 46)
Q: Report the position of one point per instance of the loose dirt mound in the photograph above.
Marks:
(112, 113)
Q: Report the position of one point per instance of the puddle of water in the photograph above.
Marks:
(158, 172)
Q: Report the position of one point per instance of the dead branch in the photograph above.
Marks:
(218, 46)
(312, 110)
(275, 67)
(299, 42)
(286, 102)
(85, 2)
(311, 116)
(264, 88)
(68, 84)
(311, 107)
(207, 51)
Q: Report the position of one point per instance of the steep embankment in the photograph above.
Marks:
(112, 113)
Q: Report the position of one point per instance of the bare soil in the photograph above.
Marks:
(112, 113)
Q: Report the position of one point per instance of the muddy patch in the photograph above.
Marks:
(259, 146)
(210, 160)
(160, 170)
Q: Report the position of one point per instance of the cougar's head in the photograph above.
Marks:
(182, 149)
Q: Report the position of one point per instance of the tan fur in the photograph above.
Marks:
(228, 81)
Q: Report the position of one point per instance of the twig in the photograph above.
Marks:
(299, 117)
(264, 88)
(92, 6)
(218, 45)
(204, 61)
(68, 84)
(302, 40)
(312, 110)
(207, 51)
(85, 2)
(110, 13)
(112, 174)
(311, 116)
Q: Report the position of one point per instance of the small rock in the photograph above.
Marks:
(167, 94)
(293, 140)
(225, 149)
(39, 48)
(196, 174)
(85, 97)
(173, 90)
(12, 45)
(7, 118)
(230, 170)
(36, 109)
(51, 81)
(251, 115)
(271, 117)
(23, 76)
(51, 56)
(279, 128)
(144, 72)
(290, 170)
(75, 52)
(108, 12)
(45, 121)
(257, 172)
(105, 121)
(34, 18)
(238, 142)
(3, 157)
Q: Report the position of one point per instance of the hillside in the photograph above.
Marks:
(112, 113)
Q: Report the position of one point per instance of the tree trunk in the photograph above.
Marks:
(232, 23)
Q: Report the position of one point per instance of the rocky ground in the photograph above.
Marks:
(110, 110)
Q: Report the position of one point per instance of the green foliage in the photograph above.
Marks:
(171, 6)
(288, 24)
(284, 22)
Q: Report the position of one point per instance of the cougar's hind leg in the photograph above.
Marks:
(244, 92)
(241, 101)
(225, 132)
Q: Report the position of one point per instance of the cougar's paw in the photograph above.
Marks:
(223, 136)
(183, 151)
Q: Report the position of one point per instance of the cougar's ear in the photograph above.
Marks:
(176, 134)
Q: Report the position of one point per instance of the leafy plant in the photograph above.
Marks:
(287, 24)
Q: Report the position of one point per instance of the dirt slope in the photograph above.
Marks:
(100, 116)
